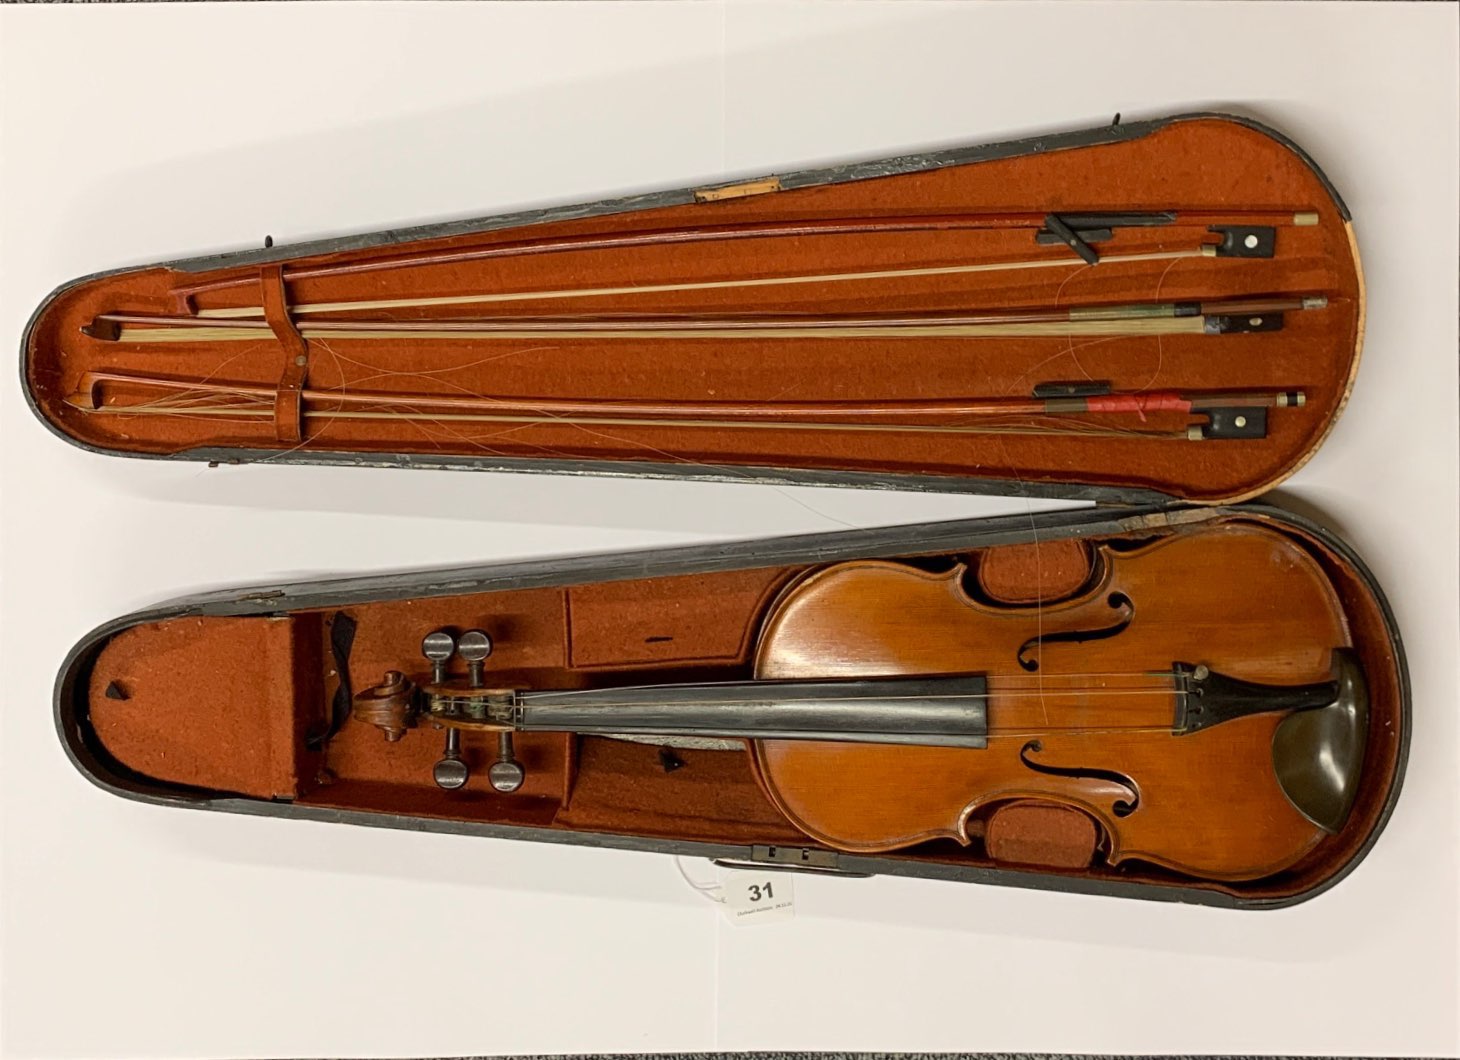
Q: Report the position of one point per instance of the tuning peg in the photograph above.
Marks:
(474, 646)
(451, 772)
(506, 773)
(438, 647)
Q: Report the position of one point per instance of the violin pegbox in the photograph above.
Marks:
(449, 702)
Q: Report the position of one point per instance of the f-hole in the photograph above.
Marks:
(1119, 602)
(1121, 807)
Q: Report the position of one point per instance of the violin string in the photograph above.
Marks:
(994, 733)
(1079, 730)
(475, 441)
(1001, 678)
(1072, 351)
(438, 420)
(1068, 345)
(669, 704)
(1082, 674)
(418, 424)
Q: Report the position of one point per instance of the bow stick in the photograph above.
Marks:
(1238, 413)
(1165, 318)
(1080, 222)
(1206, 250)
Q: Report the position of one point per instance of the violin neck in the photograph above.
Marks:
(929, 711)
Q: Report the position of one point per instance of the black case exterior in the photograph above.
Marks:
(71, 704)
(1116, 132)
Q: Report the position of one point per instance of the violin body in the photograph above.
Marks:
(1207, 803)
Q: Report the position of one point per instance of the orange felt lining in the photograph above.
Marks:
(209, 702)
(1025, 574)
(620, 624)
(1202, 163)
(175, 669)
(1037, 833)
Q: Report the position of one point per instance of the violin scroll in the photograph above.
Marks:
(390, 706)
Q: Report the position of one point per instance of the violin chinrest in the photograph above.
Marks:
(1317, 754)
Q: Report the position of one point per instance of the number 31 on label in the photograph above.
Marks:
(757, 897)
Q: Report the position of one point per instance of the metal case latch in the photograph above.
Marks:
(800, 857)
(790, 859)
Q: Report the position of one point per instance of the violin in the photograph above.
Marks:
(1214, 726)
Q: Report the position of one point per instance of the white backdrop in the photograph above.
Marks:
(135, 133)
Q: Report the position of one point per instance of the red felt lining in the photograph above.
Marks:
(1196, 164)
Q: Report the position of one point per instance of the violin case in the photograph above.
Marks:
(939, 278)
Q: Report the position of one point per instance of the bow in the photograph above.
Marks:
(1218, 414)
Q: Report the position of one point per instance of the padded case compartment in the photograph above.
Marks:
(227, 701)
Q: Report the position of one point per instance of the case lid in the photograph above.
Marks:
(1165, 309)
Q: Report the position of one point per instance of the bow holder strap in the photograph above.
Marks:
(289, 400)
